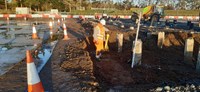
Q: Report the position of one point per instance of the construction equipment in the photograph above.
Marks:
(151, 13)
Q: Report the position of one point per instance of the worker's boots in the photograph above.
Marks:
(98, 57)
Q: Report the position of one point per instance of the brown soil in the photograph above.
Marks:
(159, 67)
(73, 67)
(15, 80)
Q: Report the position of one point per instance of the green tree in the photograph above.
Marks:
(57, 4)
(12, 5)
(32, 4)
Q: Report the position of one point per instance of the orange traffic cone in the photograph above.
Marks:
(82, 17)
(8, 20)
(65, 33)
(59, 22)
(50, 25)
(51, 29)
(34, 83)
(34, 35)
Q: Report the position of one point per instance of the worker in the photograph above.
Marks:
(82, 18)
(104, 16)
(97, 16)
(99, 37)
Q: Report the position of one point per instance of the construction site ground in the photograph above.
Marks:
(73, 68)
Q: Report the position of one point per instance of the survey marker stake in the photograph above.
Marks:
(138, 28)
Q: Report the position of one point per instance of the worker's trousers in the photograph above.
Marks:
(99, 47)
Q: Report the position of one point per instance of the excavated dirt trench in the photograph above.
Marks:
(160, 67)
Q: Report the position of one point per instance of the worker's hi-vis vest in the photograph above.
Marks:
(101, 32)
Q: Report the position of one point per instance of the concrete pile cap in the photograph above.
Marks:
(122, 26)
(132, 28)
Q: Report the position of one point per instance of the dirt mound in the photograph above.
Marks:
(77, 60)
(70, 67)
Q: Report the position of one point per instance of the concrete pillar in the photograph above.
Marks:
(188, 51)
(131, 28)
(138, 52)
(122, 26)
(25, 18)
(119, 42)
(51, 34)
(198, 62)
(137, 20)
(161, 39)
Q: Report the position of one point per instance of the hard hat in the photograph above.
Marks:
(103, 22)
